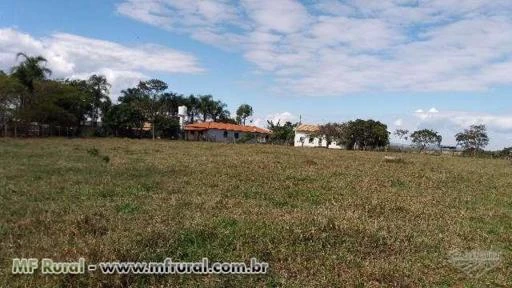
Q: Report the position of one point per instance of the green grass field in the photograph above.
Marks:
(320, 218)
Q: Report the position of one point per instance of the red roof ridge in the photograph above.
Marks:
(226, 126)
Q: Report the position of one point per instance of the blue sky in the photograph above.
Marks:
(440, 64)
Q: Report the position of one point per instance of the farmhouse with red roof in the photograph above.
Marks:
(225, 132)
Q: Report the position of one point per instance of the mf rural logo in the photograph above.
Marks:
(474, 263)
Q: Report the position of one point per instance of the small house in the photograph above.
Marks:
(225, 132)
(306, 135)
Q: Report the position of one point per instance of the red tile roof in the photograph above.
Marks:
(307, 128)
(225, 126)
(195, 128)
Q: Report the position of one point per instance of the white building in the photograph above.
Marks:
(225, 132)
(305, 136)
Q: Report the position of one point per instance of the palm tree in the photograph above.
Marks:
(30, 70)
(193, 105)
(218, 111)
(205, 106)
(171, 101)
(243, 112)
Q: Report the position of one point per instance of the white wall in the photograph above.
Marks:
(218, 136)
(317, 141)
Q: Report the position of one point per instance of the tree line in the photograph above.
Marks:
(28, 98)
(373, 135)
(357, 134)
(472, 140)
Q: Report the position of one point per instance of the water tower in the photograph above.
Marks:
(182, 113)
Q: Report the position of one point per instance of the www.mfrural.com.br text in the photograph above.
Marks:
(167, 266)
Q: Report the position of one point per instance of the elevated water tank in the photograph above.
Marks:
(182, 111)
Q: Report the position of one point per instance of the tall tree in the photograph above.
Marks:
(243, 112)
(130, 113)
(364, 134)
(11, 91)
(281, 133)
(123, 119)
(218, 111)
(171, 101)
(193, 108)
(473, 139)
(402, 134)
(100, 89)
(330, 132)
(152, 90)
(205, 106)
(30, 70)
(83, 86)
(426, 137)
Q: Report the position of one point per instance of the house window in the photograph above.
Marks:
(311, 140)
(225, 134)
(320, 142)
(236, 135)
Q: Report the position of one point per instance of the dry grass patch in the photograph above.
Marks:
(318, 217)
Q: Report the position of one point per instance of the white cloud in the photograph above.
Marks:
(335, 47)
(333, 7)
(463, 119)
(280, 117)
(425, 115)
(284, 16)
(204, 20)
(358, 34)
(181, 13)
(78, 57)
